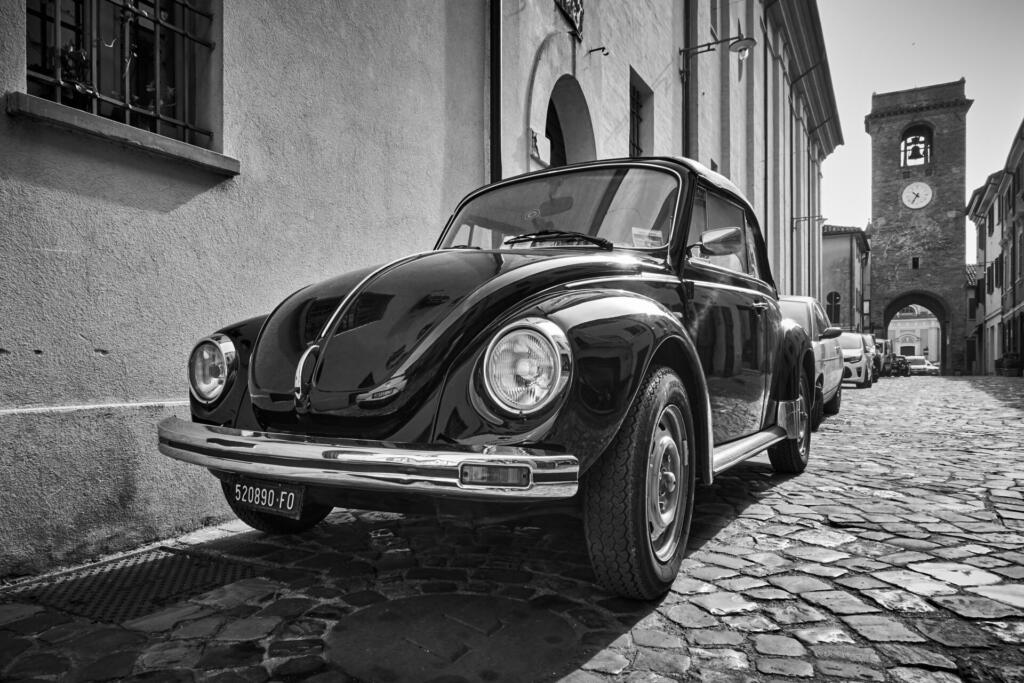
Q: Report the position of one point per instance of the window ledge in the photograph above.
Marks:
(30, 106)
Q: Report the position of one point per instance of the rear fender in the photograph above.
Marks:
(794, 353)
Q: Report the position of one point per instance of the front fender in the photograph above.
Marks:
(615, 337)
(235, 408)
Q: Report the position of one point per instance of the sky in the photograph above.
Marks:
(887, 45)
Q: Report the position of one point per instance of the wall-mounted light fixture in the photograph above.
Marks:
(739, 44)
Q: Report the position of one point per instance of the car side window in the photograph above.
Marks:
(710, 220)
(819, 315)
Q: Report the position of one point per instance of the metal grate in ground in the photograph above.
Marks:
(132, 586)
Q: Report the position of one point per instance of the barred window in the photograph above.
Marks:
(140, 62)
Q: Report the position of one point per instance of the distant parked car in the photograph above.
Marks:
(873, 355)
(828, 354)
(884, 349)
(919, 365)
(900, 367)
(857, 360)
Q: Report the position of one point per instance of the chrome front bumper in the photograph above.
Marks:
(368, 465)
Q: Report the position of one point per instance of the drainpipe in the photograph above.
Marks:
(495, 94)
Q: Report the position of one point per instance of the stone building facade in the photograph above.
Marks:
(846, 276)
(159, 185)
(997, 211)
(918, 184)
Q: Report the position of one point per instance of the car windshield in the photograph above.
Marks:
(795, 310)
(851, 341)
(629, 207)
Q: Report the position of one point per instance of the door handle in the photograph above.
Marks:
(759, 307)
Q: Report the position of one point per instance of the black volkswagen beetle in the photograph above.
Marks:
(603, 334)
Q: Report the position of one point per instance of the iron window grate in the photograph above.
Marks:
(132, 586)
(134, 61)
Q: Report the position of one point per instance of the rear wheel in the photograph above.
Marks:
(638, 497)
(312, 514)
(790, 456)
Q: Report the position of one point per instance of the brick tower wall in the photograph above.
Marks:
(934, 234)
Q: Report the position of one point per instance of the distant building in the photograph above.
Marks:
(997, 211)
(918, 152)
(845, 286)
(915, 331)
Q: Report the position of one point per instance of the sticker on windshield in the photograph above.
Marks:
(646, 239)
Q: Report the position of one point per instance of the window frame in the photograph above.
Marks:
(107, 81)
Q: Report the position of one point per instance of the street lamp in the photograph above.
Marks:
(739, 44)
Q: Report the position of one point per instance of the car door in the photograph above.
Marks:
(732, 311)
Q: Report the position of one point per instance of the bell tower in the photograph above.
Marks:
(918, 194)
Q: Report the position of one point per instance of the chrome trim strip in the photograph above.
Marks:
(366, 465)
(737, 451)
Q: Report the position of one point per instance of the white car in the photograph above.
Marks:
(828, 354)
(858, 367)
(919, 365)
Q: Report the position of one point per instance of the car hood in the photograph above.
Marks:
(852, 353)
(386, 335)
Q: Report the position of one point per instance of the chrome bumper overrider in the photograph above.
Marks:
(367, 465)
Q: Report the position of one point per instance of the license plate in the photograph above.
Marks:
(269, 496)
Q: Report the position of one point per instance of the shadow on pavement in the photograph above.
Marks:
(364, 596)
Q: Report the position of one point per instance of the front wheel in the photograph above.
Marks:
(818, 411)
(832, 407)
(312, 514)
(638, 497)
(790, 456)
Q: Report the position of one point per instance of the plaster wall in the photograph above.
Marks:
(538, 49)
(839, 274)
(357, 126)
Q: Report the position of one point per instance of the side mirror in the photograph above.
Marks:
(831, 332)
(719, 242)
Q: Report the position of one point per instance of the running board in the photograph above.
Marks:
(729, 454)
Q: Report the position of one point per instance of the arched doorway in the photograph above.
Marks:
(568, 127)
(916, 329)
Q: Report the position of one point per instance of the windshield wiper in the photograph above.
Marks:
(560, 235)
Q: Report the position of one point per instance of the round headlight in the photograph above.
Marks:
(211, 367)
(526, 365)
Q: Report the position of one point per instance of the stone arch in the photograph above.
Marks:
(934, 303)
(568, 122)
(555, 98)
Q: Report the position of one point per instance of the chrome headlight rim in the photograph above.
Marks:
(562, 355)
(226, 348)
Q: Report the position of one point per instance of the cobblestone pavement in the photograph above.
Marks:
(897, 556)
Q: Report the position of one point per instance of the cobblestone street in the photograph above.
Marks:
(897, 556)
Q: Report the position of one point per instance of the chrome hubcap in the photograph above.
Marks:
(665, 462)
(805, 424)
